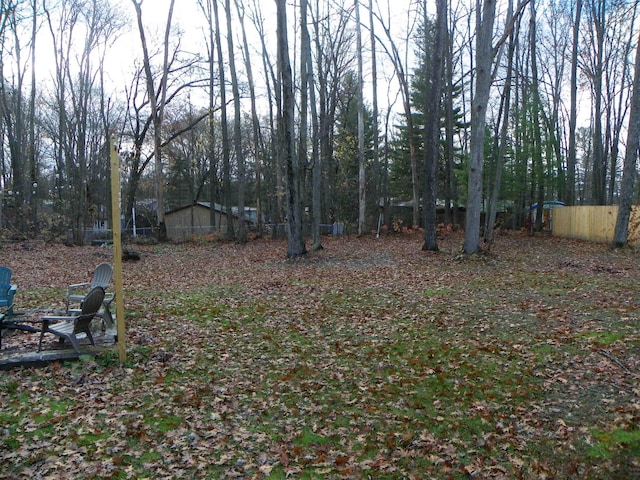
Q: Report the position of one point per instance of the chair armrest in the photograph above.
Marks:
(76, 286)
(46, 321)
(12, 291)
(61, 318)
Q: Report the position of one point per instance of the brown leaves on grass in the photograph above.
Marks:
(366, 359)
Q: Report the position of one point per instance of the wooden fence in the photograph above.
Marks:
(593, 223)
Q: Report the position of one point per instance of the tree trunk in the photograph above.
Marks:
(362, 185)
(573, 109)
(629, 172)
(207, 9)
(599, 162)
(226, 147)
(257, 136)
(237, 132)
(501, 150)
(302, 157)
(316, 161)
(374, 104)
(539, 177)
(296, 243)
(157, 108)
(432, 123)
(484, 57)
(394, 56)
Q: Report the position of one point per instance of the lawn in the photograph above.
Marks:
(368, 359)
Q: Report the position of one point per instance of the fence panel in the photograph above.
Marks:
(593, 223)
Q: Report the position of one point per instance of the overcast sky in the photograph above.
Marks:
(189, 19)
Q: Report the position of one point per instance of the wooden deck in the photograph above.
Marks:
(20, 348)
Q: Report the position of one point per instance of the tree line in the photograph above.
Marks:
(489, 107)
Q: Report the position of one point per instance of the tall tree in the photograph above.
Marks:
(237, 118)
(316, 161)
(432, 121)
(13, 109)
(77, 130)
(536, 145)
(226, 146)
(484, 59)
(258, 143)
(362, 185)
(393, 53)
(598, 14)
(629, 173)
(573, 108)
(305, 77)
(374, 106)
(207, 9)
(485, 54)
(286, 138)
(157, 101)
(501, 139)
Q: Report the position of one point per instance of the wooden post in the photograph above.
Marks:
(117, 249)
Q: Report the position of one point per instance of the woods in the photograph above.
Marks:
(371, 115)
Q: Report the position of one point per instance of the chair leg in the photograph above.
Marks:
(90, 337)
(74, 343)
(41, 335)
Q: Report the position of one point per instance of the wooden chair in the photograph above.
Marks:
(68, 327)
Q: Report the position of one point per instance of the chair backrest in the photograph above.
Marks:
(102, 275)
(5, 286)
(90, 306)
(5, 282)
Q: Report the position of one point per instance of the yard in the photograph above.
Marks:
(368, 359)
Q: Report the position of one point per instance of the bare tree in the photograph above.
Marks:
(393, 53)
(226, 145)
(597, 10)
(296, 243)
(156, 102)
(630, 160)
(237, 140)
(207, 9)
(485, 54)
(258, 142)
(573, 109)
(432, 120)
(77, 131)
(500, 148)
(316, 161)
(362, 181)
(16, 126)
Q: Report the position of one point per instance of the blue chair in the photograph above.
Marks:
(7, 291)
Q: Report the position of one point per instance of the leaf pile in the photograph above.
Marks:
(368, 359)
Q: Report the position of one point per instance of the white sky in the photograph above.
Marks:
(189, 19)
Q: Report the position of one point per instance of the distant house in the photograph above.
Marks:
(194, 220)
(185, 223)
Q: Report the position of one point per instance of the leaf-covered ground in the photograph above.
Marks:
(368, 359)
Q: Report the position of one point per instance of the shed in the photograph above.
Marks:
(185, 223)
(547, 214)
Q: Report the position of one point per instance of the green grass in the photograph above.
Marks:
(611, 441)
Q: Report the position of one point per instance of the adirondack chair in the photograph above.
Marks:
(7, 291)
(101, 278)
(68, 327)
